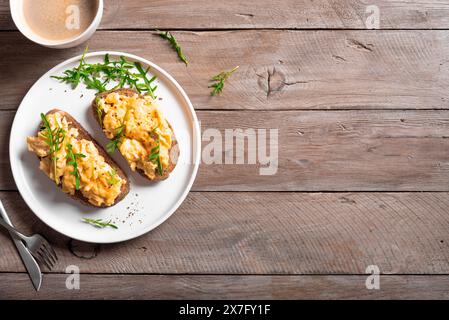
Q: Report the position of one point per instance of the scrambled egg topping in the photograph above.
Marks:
(144, 128)
(99, 183)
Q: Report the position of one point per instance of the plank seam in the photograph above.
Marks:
(251, 29)
(240, 274)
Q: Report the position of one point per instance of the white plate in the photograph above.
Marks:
(148, 204)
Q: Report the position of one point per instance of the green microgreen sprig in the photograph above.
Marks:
(54, 139)
(155, 157)
(146, 86)
(174, 44)
(72, 157)
(112, 179)
(113, 144)
(219, 81)
(99, 223)
(99, 75)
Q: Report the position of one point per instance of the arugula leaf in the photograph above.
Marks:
(99, 223)
(95, 83)
(106, 59)
(71, 156)
(113, 144)
(219, 81)
(146, 86)
(74, 75)
(53, 138)
(112, 180)
(174, 44)
(156, 158)
(98, 76)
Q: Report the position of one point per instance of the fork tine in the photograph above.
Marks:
(49, 254)
(45, 257)
(40, 257)
(52, 251)
(50, 258)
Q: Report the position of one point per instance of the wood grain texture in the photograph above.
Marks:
(356, 110)
(18, 286)
(267, 233)
(279, 70)
(215, 14)
(320, 151)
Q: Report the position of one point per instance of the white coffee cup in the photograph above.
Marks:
(16, 7)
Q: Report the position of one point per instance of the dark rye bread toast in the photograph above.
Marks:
(83, 134)
(174, 150)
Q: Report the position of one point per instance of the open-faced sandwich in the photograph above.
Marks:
(76, 163)
(139, 130)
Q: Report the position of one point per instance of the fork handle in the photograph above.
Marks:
(6, 225)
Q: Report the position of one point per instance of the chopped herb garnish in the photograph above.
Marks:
(113, 144)
(113, 179)
(174, 44)
(146, 85)
(219, 81)
(99, 223)
(155, 157)
(71, 156)
(95, 83)
(73, 76)
(53, 138)
(99, 75)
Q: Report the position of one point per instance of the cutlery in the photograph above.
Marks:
(28, 260)
(30, 263)
(37, 245)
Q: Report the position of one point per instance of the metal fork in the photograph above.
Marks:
(37, 245)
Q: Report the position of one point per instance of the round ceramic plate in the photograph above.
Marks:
(148, 204)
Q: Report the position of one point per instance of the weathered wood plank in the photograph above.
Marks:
(267, 233)
(203, 14)
(278, 69)
(320, 151)
(18, 286)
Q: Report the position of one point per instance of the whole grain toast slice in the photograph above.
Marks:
(83, 134)
(173, 151)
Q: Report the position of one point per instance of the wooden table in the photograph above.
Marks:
(363, 177)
